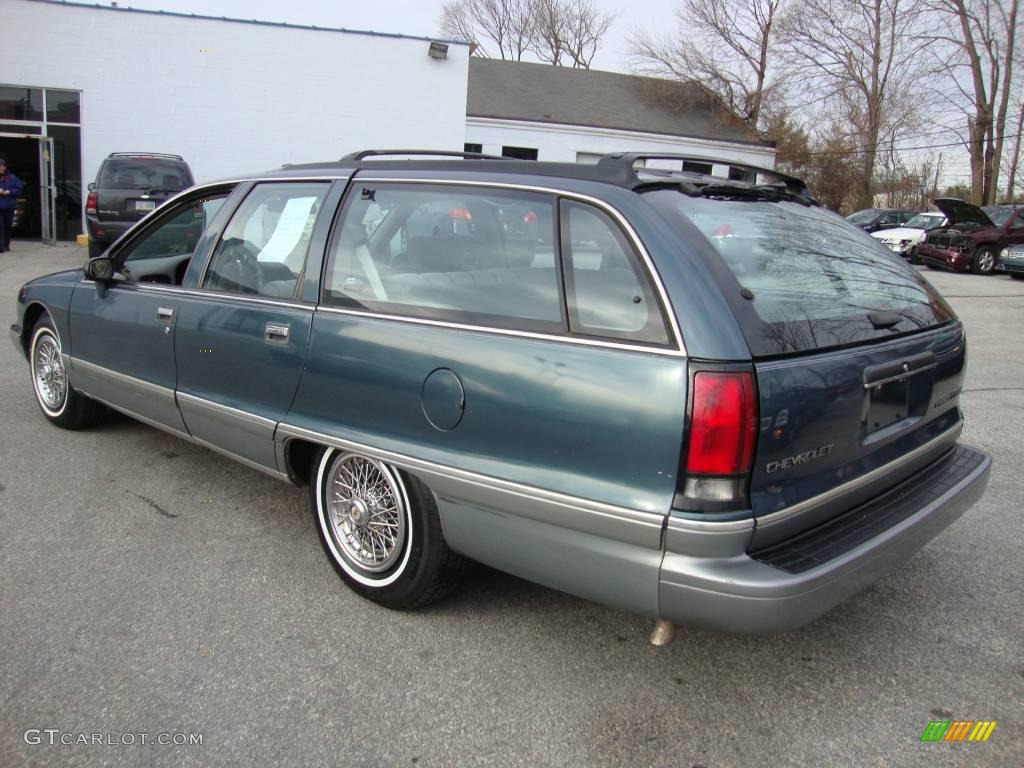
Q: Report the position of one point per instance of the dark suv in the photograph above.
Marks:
(128, 186)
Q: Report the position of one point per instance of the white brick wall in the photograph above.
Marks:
(262, 96)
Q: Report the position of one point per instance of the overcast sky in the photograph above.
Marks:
(413, 17)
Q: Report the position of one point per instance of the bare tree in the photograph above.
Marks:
(727, 45)
(862, 55)
(979, 59)
(585, 26)
(569, 29)
(1012, 179)
(549, 31)
(500, 29)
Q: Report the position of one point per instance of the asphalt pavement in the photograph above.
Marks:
(153, 588)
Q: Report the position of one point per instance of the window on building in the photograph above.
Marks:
(478, 148)
(692, 167)
(62, 106)
(608, 292)
(520, 153)
(263, 248)
(454, 254)
(21, 103)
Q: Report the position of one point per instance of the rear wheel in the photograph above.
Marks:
(983, 261)
(914, 258)
(381, 530)
(58, 401)
(96, 249)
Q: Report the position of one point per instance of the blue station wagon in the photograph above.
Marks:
(698, 397)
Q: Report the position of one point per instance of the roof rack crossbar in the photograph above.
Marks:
(629, 160)
(144, 154)
(419, 153)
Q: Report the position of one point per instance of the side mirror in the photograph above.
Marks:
(100, 269)
(92, 186)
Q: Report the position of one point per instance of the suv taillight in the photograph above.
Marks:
(90, 203)
(720, 449)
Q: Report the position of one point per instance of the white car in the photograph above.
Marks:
(905, 239)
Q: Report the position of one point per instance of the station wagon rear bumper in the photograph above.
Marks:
(741, 593)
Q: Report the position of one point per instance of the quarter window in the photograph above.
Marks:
(452, 253)
(263, 249)
(607, 290)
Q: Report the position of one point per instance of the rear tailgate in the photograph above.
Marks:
(858, 361)
(838, 428)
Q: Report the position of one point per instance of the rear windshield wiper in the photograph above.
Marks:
(759, 192)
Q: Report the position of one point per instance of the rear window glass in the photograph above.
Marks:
(817, 282)
(144, 173)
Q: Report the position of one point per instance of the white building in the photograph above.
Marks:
(229, 96)
(540, 112)
(78, 82)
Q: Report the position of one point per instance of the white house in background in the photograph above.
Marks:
(230, 96)
(540, 112)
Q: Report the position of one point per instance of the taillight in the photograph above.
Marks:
(720, 447)
(90, 203)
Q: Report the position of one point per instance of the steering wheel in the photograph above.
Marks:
(240, 266)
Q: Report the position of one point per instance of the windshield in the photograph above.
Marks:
(144, 173)
(999, 214)
(816, 281)
(863, 217)
(925, 221)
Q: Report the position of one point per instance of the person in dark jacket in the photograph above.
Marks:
(10, 188)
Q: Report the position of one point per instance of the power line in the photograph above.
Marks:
(880, 147)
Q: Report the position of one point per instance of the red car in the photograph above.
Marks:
(973, 236)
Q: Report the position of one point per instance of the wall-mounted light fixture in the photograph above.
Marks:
(438, 51)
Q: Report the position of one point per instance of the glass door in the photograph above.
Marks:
(47, 189)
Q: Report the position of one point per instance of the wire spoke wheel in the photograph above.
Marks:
(366, 511)
(48, 373)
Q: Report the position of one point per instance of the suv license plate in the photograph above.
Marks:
(145, 205)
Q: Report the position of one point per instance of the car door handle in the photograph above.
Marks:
(275, 332)
(165, 314)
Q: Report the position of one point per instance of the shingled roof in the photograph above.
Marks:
(514, 90)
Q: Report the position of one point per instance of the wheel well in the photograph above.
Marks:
(32, 315)
(298, 459)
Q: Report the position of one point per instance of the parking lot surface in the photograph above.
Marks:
(150, 586)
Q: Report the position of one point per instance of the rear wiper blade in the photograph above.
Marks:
(769, 192)
(881, 319)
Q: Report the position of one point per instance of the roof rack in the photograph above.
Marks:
(420, 153)
(144, 154)
(630, 159)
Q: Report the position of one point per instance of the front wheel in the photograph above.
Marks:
(58, 401)
(984, 261)
(381, 531)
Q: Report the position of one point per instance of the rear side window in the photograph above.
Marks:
(815, 281)
(448, 253)
(608, 293)
(144, 173)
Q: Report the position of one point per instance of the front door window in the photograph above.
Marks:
(163, 252)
